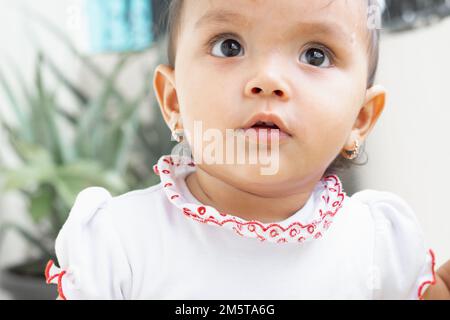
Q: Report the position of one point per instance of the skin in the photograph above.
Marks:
(441, 289)
(325, 108)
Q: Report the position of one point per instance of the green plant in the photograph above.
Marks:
(60, 153)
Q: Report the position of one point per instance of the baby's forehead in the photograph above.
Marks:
(347, 12)
(349, 17)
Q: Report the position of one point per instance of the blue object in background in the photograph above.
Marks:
(119, 25)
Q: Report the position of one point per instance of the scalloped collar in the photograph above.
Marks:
(308, 223)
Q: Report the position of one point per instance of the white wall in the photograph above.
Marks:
(409, 149)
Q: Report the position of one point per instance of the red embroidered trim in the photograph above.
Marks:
(273, 233)
(60, 290)
(433, 281)
(272, 230)
(47, 272)
(49, 278)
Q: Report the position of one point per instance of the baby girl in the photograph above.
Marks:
(292, 78)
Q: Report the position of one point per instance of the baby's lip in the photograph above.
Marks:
(269, 120)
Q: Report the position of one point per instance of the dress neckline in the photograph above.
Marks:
(308, 223)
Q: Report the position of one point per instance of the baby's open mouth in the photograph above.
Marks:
(265, 125)
(267, 121)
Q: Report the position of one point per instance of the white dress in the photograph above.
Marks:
(162, 243)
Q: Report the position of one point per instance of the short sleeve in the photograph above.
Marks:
(92, 262)
(403, 265)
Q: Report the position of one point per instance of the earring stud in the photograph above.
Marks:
(353, 154)
(177, 134)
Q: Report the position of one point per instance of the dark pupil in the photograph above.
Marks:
(315, 57)
(230, 48)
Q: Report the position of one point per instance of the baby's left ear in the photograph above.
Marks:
(371, 110)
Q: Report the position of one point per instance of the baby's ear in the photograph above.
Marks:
(371, 110)
(165, 91)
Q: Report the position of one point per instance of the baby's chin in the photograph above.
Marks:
(264, 180)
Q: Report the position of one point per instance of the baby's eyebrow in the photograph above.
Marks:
(221, 16)
(330, 29)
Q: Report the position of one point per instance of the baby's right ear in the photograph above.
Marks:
(165, 91)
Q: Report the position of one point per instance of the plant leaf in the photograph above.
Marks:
(37, 167)
(71, 179)
(77, 92)
(44, 113)
(41, 204)
(88, 140)
(12, 100)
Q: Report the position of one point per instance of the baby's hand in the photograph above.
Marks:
(441, 289)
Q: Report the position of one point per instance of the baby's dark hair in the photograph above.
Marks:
(339, 164)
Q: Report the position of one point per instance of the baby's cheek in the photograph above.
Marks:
(326, 134)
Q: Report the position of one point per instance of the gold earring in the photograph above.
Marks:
(353, 154)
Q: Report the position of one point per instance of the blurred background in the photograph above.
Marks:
(77, 109)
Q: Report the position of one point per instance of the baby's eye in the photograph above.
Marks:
(226, 48)
(316, 57)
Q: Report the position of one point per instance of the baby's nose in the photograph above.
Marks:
(267, 85)
(277, 92)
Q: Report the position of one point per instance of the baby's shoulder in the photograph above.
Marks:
(126, 214)
(391, 218)
(104, 230)
(386, 209)
(402, 260)
(138, 204)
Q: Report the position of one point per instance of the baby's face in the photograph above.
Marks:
(304, 61)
